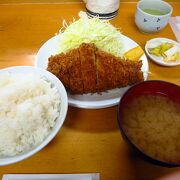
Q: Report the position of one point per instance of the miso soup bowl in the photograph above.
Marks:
(170, 90)
(149, 23)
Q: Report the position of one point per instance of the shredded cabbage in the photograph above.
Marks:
(104, 35)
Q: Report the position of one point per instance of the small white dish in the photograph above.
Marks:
(60, 120)
(159, 60)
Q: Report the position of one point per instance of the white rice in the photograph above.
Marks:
(29, 107)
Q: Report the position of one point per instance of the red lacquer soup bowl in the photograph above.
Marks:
(148, 117)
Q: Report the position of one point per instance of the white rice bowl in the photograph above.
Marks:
(44, 134)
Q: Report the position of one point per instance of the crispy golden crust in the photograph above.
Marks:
(58, 65)
(53, 65)
(114, 72)
(75, 75)
(105, 71)
(89, 70)
(121, 75)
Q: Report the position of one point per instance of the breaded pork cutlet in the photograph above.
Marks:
(88, 67)
(58, 65)
(133, 73)
(88, 70)
(75, 72)
(121, 75)
(113, 72)
(105, 71)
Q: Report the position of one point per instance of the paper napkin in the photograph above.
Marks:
(92, 176)
(175, 25)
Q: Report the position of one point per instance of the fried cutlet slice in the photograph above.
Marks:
(114, 72)
(121, 75)
(88, 68)
(53, 65)
(134, 73)
(139, 73)
(74, 69)
(105, 71)
(111, 71)
(127, 72)
(58, 66)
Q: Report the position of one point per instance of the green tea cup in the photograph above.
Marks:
(152, 15)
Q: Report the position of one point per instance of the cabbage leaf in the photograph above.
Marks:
(85, 30)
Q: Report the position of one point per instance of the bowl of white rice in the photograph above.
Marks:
(33, 107)
(149, 120)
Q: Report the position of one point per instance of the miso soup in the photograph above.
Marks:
(152, 123)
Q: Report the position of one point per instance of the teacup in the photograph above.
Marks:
(152, 15)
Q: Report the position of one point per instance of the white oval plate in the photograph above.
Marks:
(159, 60)
(89, 101)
